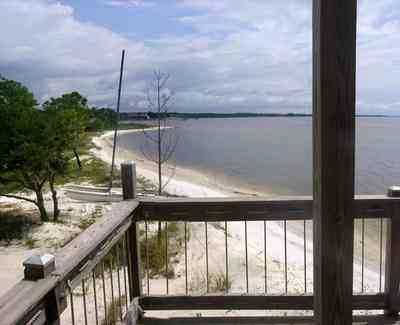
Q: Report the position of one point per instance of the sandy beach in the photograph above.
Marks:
(49, 237)
(190, 183)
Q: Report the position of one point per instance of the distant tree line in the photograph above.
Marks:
(163, 115)
(37, 142)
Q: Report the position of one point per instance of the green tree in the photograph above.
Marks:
(23, 145)
(102, 119)
(67, 118)
(78, 104)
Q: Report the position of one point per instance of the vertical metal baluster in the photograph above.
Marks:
(127, 265)
(380, 254)
(362, 253)
(285, 235)
(166, 257)
(305, 256)
(226, 257)
(147, 258)
(265, 257)
(207, 279)
(96, 312)
(186, 260)
(118, 279)
(104, 292)
(84, 301)
(124, 264)
(71, 300)
(247, 257)
(113, 316)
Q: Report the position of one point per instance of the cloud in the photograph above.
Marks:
(224, 55)
(130, 3)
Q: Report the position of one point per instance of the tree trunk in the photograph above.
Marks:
(78, 160)
(56, 210)
(40, 205)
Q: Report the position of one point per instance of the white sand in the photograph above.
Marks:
(47, 237)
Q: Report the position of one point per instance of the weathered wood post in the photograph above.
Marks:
(334, 66)
(38, 267)
(392, 272)
(128, 180)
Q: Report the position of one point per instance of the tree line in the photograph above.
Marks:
(38, 141)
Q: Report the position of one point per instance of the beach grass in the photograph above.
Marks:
(152, 251)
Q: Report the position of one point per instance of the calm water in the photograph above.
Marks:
(275, 154)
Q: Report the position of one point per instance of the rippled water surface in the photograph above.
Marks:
(275, 154)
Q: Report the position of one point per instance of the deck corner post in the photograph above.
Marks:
(334, 66)
(392, 268)
(134, 269)
(128, 180)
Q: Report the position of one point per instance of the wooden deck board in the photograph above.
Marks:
(258, 320)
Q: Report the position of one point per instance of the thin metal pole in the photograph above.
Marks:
(96, 312)
(362, 253)
(71, 298)
(247, 257)
(226, 257)
(84, 301)
(265, 257)
(104, 292)
(112, 285)
(147, 257)
(207, 279)
(186, 260)
(380, 254)
(117, 117)
(166, 257)
(124, 265)
(286, 277)
(119, 280)
(305, 256)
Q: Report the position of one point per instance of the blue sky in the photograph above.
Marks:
(225, 55)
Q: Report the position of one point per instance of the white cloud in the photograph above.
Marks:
(130, 3)
(238, 56)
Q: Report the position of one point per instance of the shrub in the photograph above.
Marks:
(13, 226)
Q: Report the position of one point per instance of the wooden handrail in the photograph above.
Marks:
(83, 253)
(254, 209)
(26, 296)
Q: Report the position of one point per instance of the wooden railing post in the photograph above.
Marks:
(334, 66)
(38, 267)
(134, 271)
(392, 274)
(128, 180)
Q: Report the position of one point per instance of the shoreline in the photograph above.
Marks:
(191, 183)
(185, 181)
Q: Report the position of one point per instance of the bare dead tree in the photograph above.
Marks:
(164, 140)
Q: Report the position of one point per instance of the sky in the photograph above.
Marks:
(222, 56)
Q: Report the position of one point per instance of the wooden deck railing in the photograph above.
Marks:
(99, 274)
